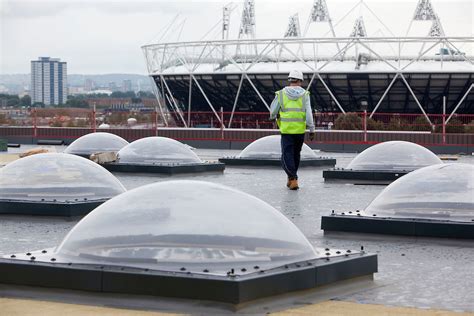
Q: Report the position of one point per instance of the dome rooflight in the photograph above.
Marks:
(96, 142)
(434, 201)
(187, 239)
(383, 163)
(266, 151)
(160, 155)
(53, 183)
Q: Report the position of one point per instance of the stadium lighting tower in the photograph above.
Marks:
(358, 31)
(359, 28)
(247, 25)
(424, 11)
(436, 29)
(294, 29)
(226, 11)
(319, 13)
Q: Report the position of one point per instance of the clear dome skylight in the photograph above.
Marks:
(96, 142)
(441, 192)
(269, 147)
(394, 155)
(187, 226)
(60, 177)
(156, 150)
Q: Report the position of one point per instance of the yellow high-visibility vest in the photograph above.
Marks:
(292, 114)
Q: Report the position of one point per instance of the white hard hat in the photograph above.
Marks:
(296, 74)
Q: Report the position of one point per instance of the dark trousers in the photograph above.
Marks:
(291, 153)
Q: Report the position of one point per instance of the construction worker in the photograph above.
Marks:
(292, 109)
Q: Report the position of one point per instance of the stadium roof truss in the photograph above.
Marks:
(397, 56)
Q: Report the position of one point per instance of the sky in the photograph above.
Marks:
(105, 36)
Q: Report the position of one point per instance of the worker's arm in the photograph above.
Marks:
(309, 113)
(274, 108)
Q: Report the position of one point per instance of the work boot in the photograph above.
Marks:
(294, 184)
(288, 182)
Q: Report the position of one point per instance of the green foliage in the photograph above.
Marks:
(56, 123)
(3, 145)
(38, 105)
(143, 118)
(3, 119)
(117, 118)
(374, 125)
(77, 103)
(82, 123)
(350, 121)
(469, 128)
(12, 100)
(421, 124)
(398, 124)
(145, 94)
(454, 126)
(118, 94)
(25, 101)
(77, 123)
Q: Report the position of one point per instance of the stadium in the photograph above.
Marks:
(344, 72)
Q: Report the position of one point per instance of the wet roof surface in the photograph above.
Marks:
(420, 273)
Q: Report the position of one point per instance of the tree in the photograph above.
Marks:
(374, 125)
(25, 101)
(349, 121)
(38, 105)
(145, 94)
(3, 119)
(454, 126)
(77, 103)
(398, 124)
(470, 128)
(11, 100)
(118, 94)
(89, 96)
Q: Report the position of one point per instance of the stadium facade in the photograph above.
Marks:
(386, 74)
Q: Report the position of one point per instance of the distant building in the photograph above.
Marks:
(48, 81)
(113, 86)
(89, 85)
(76, 90)
(127, 85)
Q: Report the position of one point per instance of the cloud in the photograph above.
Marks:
(105, 36)
(42, 8)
